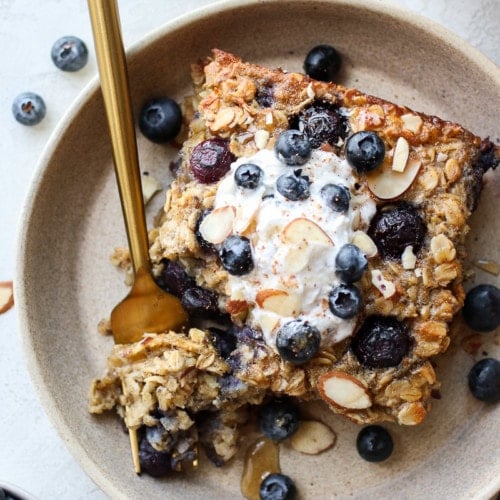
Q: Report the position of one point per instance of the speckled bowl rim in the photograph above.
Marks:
(440, 34)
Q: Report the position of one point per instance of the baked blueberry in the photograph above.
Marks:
(279, 419)
(322, 63)
(211, 160)
(374, 443)
(293, 148)
(381, 342)
(336, 196)
(174, 279)
(224, 341)
(293, 186)
(350, 263)
(277, 486)
(199, 301)
(248, 176)
(154, 462)
(482, 308)
(364, 151)
(28, 108)
(160, 119)
(236, 255)
(297, 341)
(345, 301)
(69, 53)
(394, 228)
(265, 96)
(484, 380)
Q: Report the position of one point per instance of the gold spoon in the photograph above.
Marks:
(147, 308)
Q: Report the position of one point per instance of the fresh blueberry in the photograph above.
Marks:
(160, 119)
(396, 227)
(381, 342)
(248, 176)
(154, 462)
(321, 123)
(236, 255)
(69, 53)
(350, 263)
(482, 308)
(374, 443)
(337, 197)
(345, 301)
(322, 63)
(28, 108)
(211, 160)
(293, 186)
(297, 341)
(364, 151)
(279, 419)
(277, 486)
(293, 148)
(484, 380)
(199, 301)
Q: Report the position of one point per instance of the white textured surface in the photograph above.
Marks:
(31, 453)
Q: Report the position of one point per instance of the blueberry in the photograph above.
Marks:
(174, 279)
(236, 255)
(277, 486)
(394, 228)
(337, 197)
(28, 108)
(321, 123)
(265, 96)
(345, 301)
(69, 53)
(381, 342)
(293, 148)
(350, 263)
(484, 380)
(482, 308)
(211, 160)
(224, 341)
(297, 341)
(293, 186)
(279, 419)
(248, 176)
(154, 462)
(322, 63)
(364, 151)
(374, 443)
(199, 301)
(160, 119)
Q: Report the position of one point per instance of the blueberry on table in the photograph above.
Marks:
(484, 380)
(364, 151)
(481, 309)
(345, 301)
(323, 63)
(336, 196)
(293, 148)
(277, 486)
(279, 419)
(69, 53)
(211, 160)
(160, 119)
(374, 443)
(350, 263)
(28, 108)
(248, 176)
(297, 341)
(293, 186)
(236, 255)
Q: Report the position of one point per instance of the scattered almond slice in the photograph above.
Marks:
(278, 301)
(6, 296)
(364, 243)
(218, 224)
(385, 287)
(412, 122)
(296, 258)
(150, 186)
(344, 390)
(305, 231)
(312, 437)
(401, 153)
(408, 258)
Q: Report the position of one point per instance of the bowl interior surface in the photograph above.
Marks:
(72, 222)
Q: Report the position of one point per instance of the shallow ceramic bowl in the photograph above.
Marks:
(72, 221)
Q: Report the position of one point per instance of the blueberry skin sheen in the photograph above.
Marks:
(350, 263)
(374, 443)
(248, 176)
(345, 301)
(364, 151)
(279, 419)
(293, 186)
(293, 148)
(484, 380)
(481, 309)
(28, 108)
(236, 255)
(322, 63)
(277, 486)
(337, 197)
(160, 119)
(297, 341)
(69, 53)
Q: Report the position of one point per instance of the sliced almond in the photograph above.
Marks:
(296, 258)
(364, 243)
(312, 437)
(408, 258)
(401, 153)
(150, 186)
(218, 224)
(261, 138)
(6, 296)
(278, 301)
(305, 231)
(385, 287)
(344, 390)
(411, 122)
(267, 321)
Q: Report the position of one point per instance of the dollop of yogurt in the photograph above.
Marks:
(294, 243)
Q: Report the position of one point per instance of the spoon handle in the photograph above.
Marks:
(116, 92)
